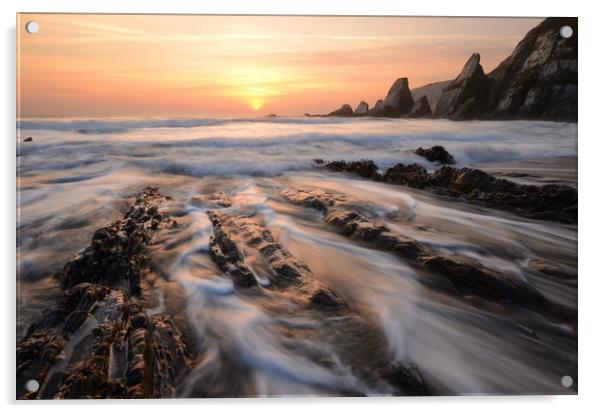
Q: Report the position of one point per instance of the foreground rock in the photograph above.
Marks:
(363, 168)
(467, 275)
(236, 237)
(115, 257)
(242, 247)
(343, 111)
(436, 153)
(551, 202)
(97, 341)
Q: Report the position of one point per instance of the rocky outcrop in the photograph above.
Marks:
(236, 237)
(97, 341)
(343, 111)
(539, 79)
(421, 109)
(436, 153)
(362, 109)
(115, 255)
(254, 248)
(363, 168)
(467, 94)
(468, 276)
(551, 202)
(28, 139)
(378, 107)
(412, 175)
(399, 100)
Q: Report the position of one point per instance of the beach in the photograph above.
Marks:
(359, 313)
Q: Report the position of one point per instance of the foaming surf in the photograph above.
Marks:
(77, 176)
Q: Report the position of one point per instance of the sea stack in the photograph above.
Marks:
(399, 100)
(421, 109)
(343, 111)
(467, 94)
(362, 109)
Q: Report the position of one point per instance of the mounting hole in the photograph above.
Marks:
(32, 27)
(566, 32)
(566, 381)
(32, 385)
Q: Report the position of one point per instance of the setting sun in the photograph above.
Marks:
(256, 104)
(234, 65)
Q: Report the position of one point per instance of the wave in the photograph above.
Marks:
(115, 126)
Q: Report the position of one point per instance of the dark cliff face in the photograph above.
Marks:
(539, 79)
(467, 94)
(399, 99)
(421, 109)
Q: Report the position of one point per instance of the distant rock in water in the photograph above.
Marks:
(399, 100)
(436, 154)
(378, 107)
(539, 79)
(364, 168)
(551, 202)
(362, 109)
(467, 94)
(421, 109)
(28, 139)
(344, 111)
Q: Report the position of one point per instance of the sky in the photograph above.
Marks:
(81, 65)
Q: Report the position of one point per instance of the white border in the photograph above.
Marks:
(590, 150)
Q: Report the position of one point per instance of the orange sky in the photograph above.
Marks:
(134, 65)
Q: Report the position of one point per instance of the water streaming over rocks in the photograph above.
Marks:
(247, 269)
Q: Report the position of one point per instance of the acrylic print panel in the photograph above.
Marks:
(242, 206)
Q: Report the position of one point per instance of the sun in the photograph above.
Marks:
(256, 103)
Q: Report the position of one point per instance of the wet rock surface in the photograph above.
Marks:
(245, 246)
(467, 276)
(363, 168)
(436, 153)
(236, 237)
(97, 341)
(115, 256)
(550, 202)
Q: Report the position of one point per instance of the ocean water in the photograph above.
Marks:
(77, 174)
